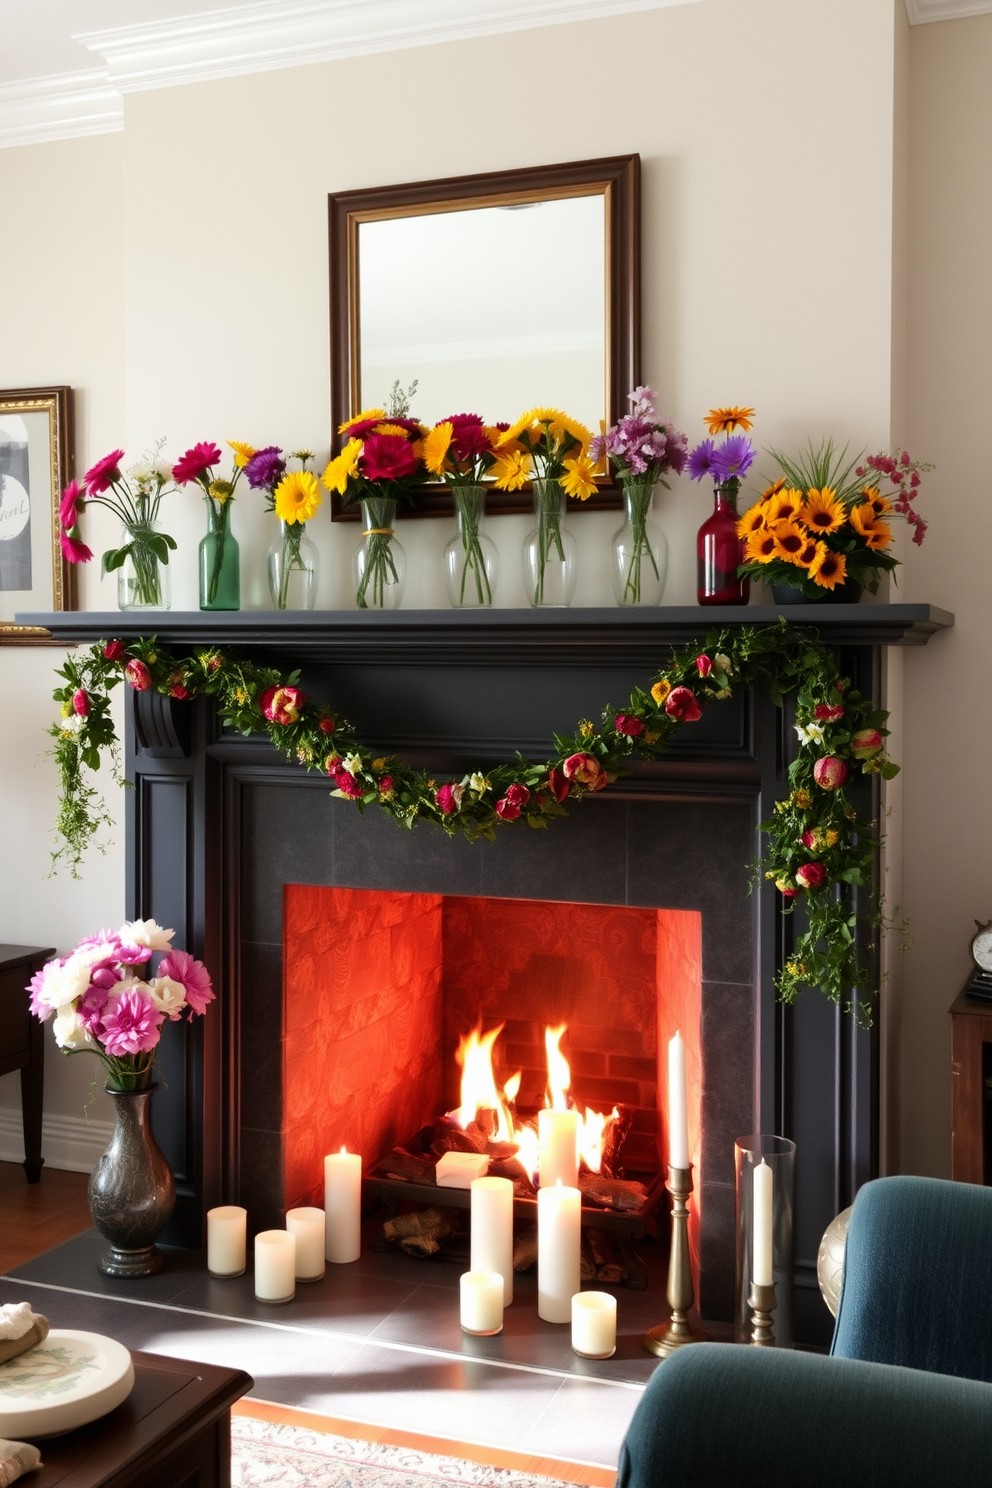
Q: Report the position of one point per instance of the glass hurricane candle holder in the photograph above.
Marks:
(751, 1260)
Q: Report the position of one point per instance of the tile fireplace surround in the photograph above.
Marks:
(223, 835)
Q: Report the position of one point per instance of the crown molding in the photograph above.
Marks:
(921, 12)
(287, 33)
(64, 105)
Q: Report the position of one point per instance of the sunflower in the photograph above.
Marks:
(784, 506)
(828, 569)
(726, 420)
(339, 471)
(790, 539)
(773, 489)
(879, 504)
(810, 550)
(242, 452)
(527, 424)
(562, 428)
(297, 496)
(822, 511)
(512, 470)
(760, 548)
(436, 446)
(867, 524)
(752, 521)
(366, 415)
(577, 479)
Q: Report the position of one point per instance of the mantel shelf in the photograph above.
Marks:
(573, 637)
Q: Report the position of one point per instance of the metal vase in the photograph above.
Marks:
(132, 1191)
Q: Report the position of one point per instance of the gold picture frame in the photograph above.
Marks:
(36, 463)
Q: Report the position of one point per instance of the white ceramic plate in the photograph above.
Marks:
(64, 1382)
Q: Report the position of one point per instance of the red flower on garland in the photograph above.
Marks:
(138, 675)
(829, 772)
(683, 705)
(811, 875)
(115, 651)
(558, 785)
(283, 705)
(586, 770)
(629, 726)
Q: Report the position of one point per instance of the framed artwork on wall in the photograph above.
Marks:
(36, 461)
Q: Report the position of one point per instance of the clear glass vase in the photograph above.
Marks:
(550, 552)
(220, 560)
(640, 550)
(292, 569)
(471, 559)
(777, 1156)
(143, 578)
(380, 563)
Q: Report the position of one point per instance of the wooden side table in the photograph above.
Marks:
(971, 1091)
(173, 1431)
(22, 1043)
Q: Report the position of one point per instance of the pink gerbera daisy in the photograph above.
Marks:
(130, 1024)
(101, 476)
(191, 465)
(180, 966)
(73, 549)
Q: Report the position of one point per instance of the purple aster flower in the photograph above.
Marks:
(701, 459)
(266, 468)
(732, 459)
(597, 448)
(181, 967)
(131, 1024)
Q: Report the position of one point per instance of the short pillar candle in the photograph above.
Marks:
(594, 1325)
(275, 1266)
(558, 1137)
(481, 1303)
(308, 1226)
(559, 1251)
(492, 1230)
(343, 1206)
(227, 1240)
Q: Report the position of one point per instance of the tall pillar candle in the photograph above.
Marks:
(308, 1226)
(481, 1298)
(762, 1272)
(227, 1240)
(594, 1325)
(558, 1135)
(678, 1123)
(343, 1206)
(559, 1243)
(275, 1266)
(492, 1230)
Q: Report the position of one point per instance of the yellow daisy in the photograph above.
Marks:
(436, 446)
(578, 477)
(726, 420)
(525, 424)
(561, 427)
(751, 521)
(395, 429)
(361, 418)
(242, 452)
(297, 496)
(773, 489)
(343, 467)
(221, 490)
(790, 539)
(512, 470)
(760, 548)
(822, 512)
(828, 569)
(784, 506)
(660, 691)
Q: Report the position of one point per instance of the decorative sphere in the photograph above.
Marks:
(830, 1260)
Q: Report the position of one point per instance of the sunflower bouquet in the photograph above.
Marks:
(294, 496)
(551, 449)
(461, 451)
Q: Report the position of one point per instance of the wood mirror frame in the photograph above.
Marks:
(618, 176)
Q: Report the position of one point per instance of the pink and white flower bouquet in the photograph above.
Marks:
(105, 1004)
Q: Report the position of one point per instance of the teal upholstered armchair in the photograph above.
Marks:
(904, 1400)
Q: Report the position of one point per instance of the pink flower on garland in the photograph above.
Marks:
(683, 705)
(828, 712)
(704, 665)
(866, 743)
(586, 770)
(194, 463)
(449, 799)
(283, 705)
(115, 651)
(629, 726)
(101, 476)
(387, 457)
(830, 772)
(558, 785)
(138, 675)
(513, 802)
(348, 785)
(181, 967)
(811, 875)
(131, 1024)
(327, 725)
(81, 702)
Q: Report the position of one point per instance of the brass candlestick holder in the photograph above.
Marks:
(667, 1337)
(762, 1300)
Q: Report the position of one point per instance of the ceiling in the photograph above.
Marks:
(66, 64)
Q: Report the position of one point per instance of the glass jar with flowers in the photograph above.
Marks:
(719, 548)
(461, 451)
(219, 556)
(821, 533)
(552, 450)
(642, 448)
(380, 465)
(142, 558)
(294, 496)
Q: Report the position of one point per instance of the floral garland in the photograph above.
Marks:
(818, 848)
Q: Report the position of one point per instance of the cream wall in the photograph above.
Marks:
(199, 303)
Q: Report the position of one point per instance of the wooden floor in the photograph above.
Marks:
(36, 1216)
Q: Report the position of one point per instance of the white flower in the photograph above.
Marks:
(721, 663)
(70, 1031)
(478, 783)
(811, 734)
(353, 764)
(63, 984)
(146, 933)
(74, 724)
(168, 997)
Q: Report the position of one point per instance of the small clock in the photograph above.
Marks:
(980, 984)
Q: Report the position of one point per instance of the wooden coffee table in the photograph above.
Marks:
(173, 1431)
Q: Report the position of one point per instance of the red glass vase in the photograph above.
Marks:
(719, 551)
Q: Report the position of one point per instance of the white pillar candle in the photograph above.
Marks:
(482, 1302)
(559, 1241)
(227, 1230)
(343, 1206)
(308, 1227)
(761, 1226)
(492, 1230)
(678, 1125)
(558, 1135)
(275, 1266)
(594, 1325)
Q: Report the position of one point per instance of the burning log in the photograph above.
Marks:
(613, 1193)
(614, 1138)
(513, 1169)
(449, 1137)
(408, 1167)
(609, 1267)
(525, 1248)
(419, 1233)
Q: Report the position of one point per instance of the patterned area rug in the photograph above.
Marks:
(264, 1455)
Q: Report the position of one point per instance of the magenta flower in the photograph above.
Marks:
(71, 498)
(115, 651)
(626, 724)
(73, 550)
(683, 705)
(81, 702)
(387, 457)
(181, 967)
(829, 772)
(91, 1005)
(101, 476)
(195, 463)
(449, 799)
(40, 1007)
(131, 1024)
(138, 675)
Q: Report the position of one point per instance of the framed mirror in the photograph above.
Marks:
(496, 292)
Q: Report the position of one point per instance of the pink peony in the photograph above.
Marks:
(194, 463)
(630, 727)
(101, 476)
(829, 772)
(283, 704)
(348, 785)
(585, 770)
(703, 666)
(387, 457)
(683, 704)
(866, 743)
(91, 1005)
(519, 795)
(811, 875)
(449, 799)
(181, 967)
(73, 550)
(558, 785)
(131, 1024)
(507, 810)
(828, 712)
(114, 651)
(81, 702)
(138, 675)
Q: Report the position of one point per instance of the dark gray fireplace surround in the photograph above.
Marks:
(218, 824)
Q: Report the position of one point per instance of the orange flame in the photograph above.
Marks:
(479, 1091)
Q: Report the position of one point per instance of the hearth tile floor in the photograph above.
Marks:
(378, 1341)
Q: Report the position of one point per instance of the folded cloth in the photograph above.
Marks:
(16, 1458)
(20, 1330)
